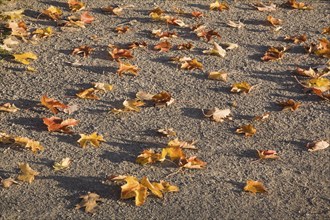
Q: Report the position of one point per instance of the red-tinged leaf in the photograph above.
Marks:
(57, 124)
(86, 18)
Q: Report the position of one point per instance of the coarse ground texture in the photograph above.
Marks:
(297, 184)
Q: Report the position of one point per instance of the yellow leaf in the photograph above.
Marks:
(191, 65)
(241, 87)
(165, 186)
(219, 6)
(322, 84)
(192, 163)
(174, 152)
(89, 201)
(23, 58)
(217, 115)
(7, 107)
(88, 94)
(127, 68)
(53, 12)
(6, 183)
(148, 156)
(27, 174)
(93, 138)
(217, 50)
(247, 130)
(254, 187)
(34, 146)
(290, 105)
(157, 192)
(12, 15)
(103, 87)
(63, 164)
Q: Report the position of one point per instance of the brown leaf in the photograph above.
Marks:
(129, 106)
(135, 45)
(162, 98)
(323, 95)
(217, 115)
(274, 53)
(27, 173)
(88, 94)
(53, 13)
(247, 130)
(167, 132)
(116, 54)
(326, 30)
(7, 107)
(85, 50)
(89, 201)
(290, 104)
(241, 87)
(261, 117)
(164, 35)
(114, 10)
(296, 39)
(52, 104)
(197, 14)
(220, 76)
(122, 29)
(265, 8)
(254, 187)
(34, 146)
(191, 65)
(127, 68)
(317, 145)
(267, 154)
(185, 46)
(274, 21)
(163, 46)
(207, 35)
(299, 5)
(76, 5)
(57, 124)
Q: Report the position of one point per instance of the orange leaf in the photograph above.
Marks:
(267, 154)
(192, 163)
(127, 68)
(274, 21)
(116, 54)
(88, 94)
(85, 50)
(247, 130)
(254, 187)
(52, 104)
(290, 104)
(163, 46)
(57, 124)
(86, 18)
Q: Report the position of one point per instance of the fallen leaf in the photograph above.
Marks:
(221, 76)
(88, 94)
(114, 10)
(262, 117)
(247, 130)
(313, 73)
(62, 165)
(122, 29)
(254, 187)
(135, 45)
(86, 18)
(52, 104)
(174, 21)
(127, 68)
(141, 95)
(164, 35)
(24, 57)
(323, 48)
(167, 132)
(149, 156)
(6, 183)
(165, 186)
(18, 29)
(7, 107)
(220, 6)
(157, 14)
(174, 152)
(217, 50)
(182, 144)
(185, 46)
(322, 84)
(323, 95)
(317, 145)
(192, 163)
(197, 14)
(265, 8)
(238, 25)
(103, 87)
(274, 53)
(89, 202)
(53, 13)
(163, 46)
(43, 32)
(57, 124)
(34, 146)
(116, 54)
(192, 65)
(241, 87)
(297, 39)
(12, 15)
(129, 106)
(230, 46)
(162, 99)
(76, 5)
(71, 109)
(207, 35)
(290, 104)
(217, 115)
(299, 5)
(94, 139)
(326, 30)
(267, 154)
(27, 173)
(274, 21)
(84, 50)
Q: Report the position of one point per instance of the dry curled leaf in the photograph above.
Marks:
(274, 21)
(167, 132)
(62, 165)
(7, 107)
(265, 8)
(127, 68)
(323, 48)
(314, 73)
(192, 163)
(219, 6)
(27, 173)
(221, 76)
(290, 104)
(12, 15)
(25, 58)
(28, 143)
(94, 139)
(135, 45)
(114, 10)
(164, 35)
(217, 50)
(207, 35)
(248, 130)
(321, 84)
(262, 117)
(52, 104)
(191, 65)
(241, 87)
(149, 156)
(267, 154)
(254, 187)
(326, 30)
(174, 21)
(296, 39)
(163, 46)
(217, 115)
(53, 13)
(117, 53)
(122, 29)
(103, 87)
(76, 5)
(132, 105)
(84, 50)
(43, 32)
(299, 5)
(86, 18)
(89, 202)
(57, 124)
(324, 95)
(274, 53)
(317, 145)
(185, 46)
(197, 14)
(237, 25)
(182, 144)
(18, 29)
(162, 99)
(6, 183)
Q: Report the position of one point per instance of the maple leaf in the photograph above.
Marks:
(7, 107)
(248, 130)
(254, 187)
(116, 54)
(34, 146)
(135, 45)
(317, 145)
(322, 84)
(57, 124)
(127, 68)
(93, 138)
(220, 76)
(165, 186)
(6, 138)
(265, 8)
(274, 53)
(185, 46)
(27, 173)
(267, 154)
(114, 10)
(220, 6)
(24, 57)
(12, 15)
(238, 25)
(52, 104)
(241, 87)
(86, 18)
(163, 46)
(290, 104)
(207, 35)
(299, 5)
(155, 190)
(76, 5)
(192, 163)
(197, 14)
(191, 65)
(6, 183)
(157, 14)
(174, 21)
(122, 29)
(297, 39)
(274, 21)
(167, 132)
(84, 50)
(162, 99)
(63, 164)
(89, 202)
(18, 29)
(164, 35)
(323, 49)
(182, 144)
(217, 50)
(326, 30)
(43, 32)
(317, 73)
(217, 115)
(174, 152)
(149, 156)
(130, 105)
(53, 13)
(88, 94)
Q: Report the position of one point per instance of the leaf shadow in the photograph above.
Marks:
(70, 139)
(56, 4)
(35, 124)
(22, 103)
(248, 154)
(194, 113)
(98, 69)
(238, 185)
(298, 144)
